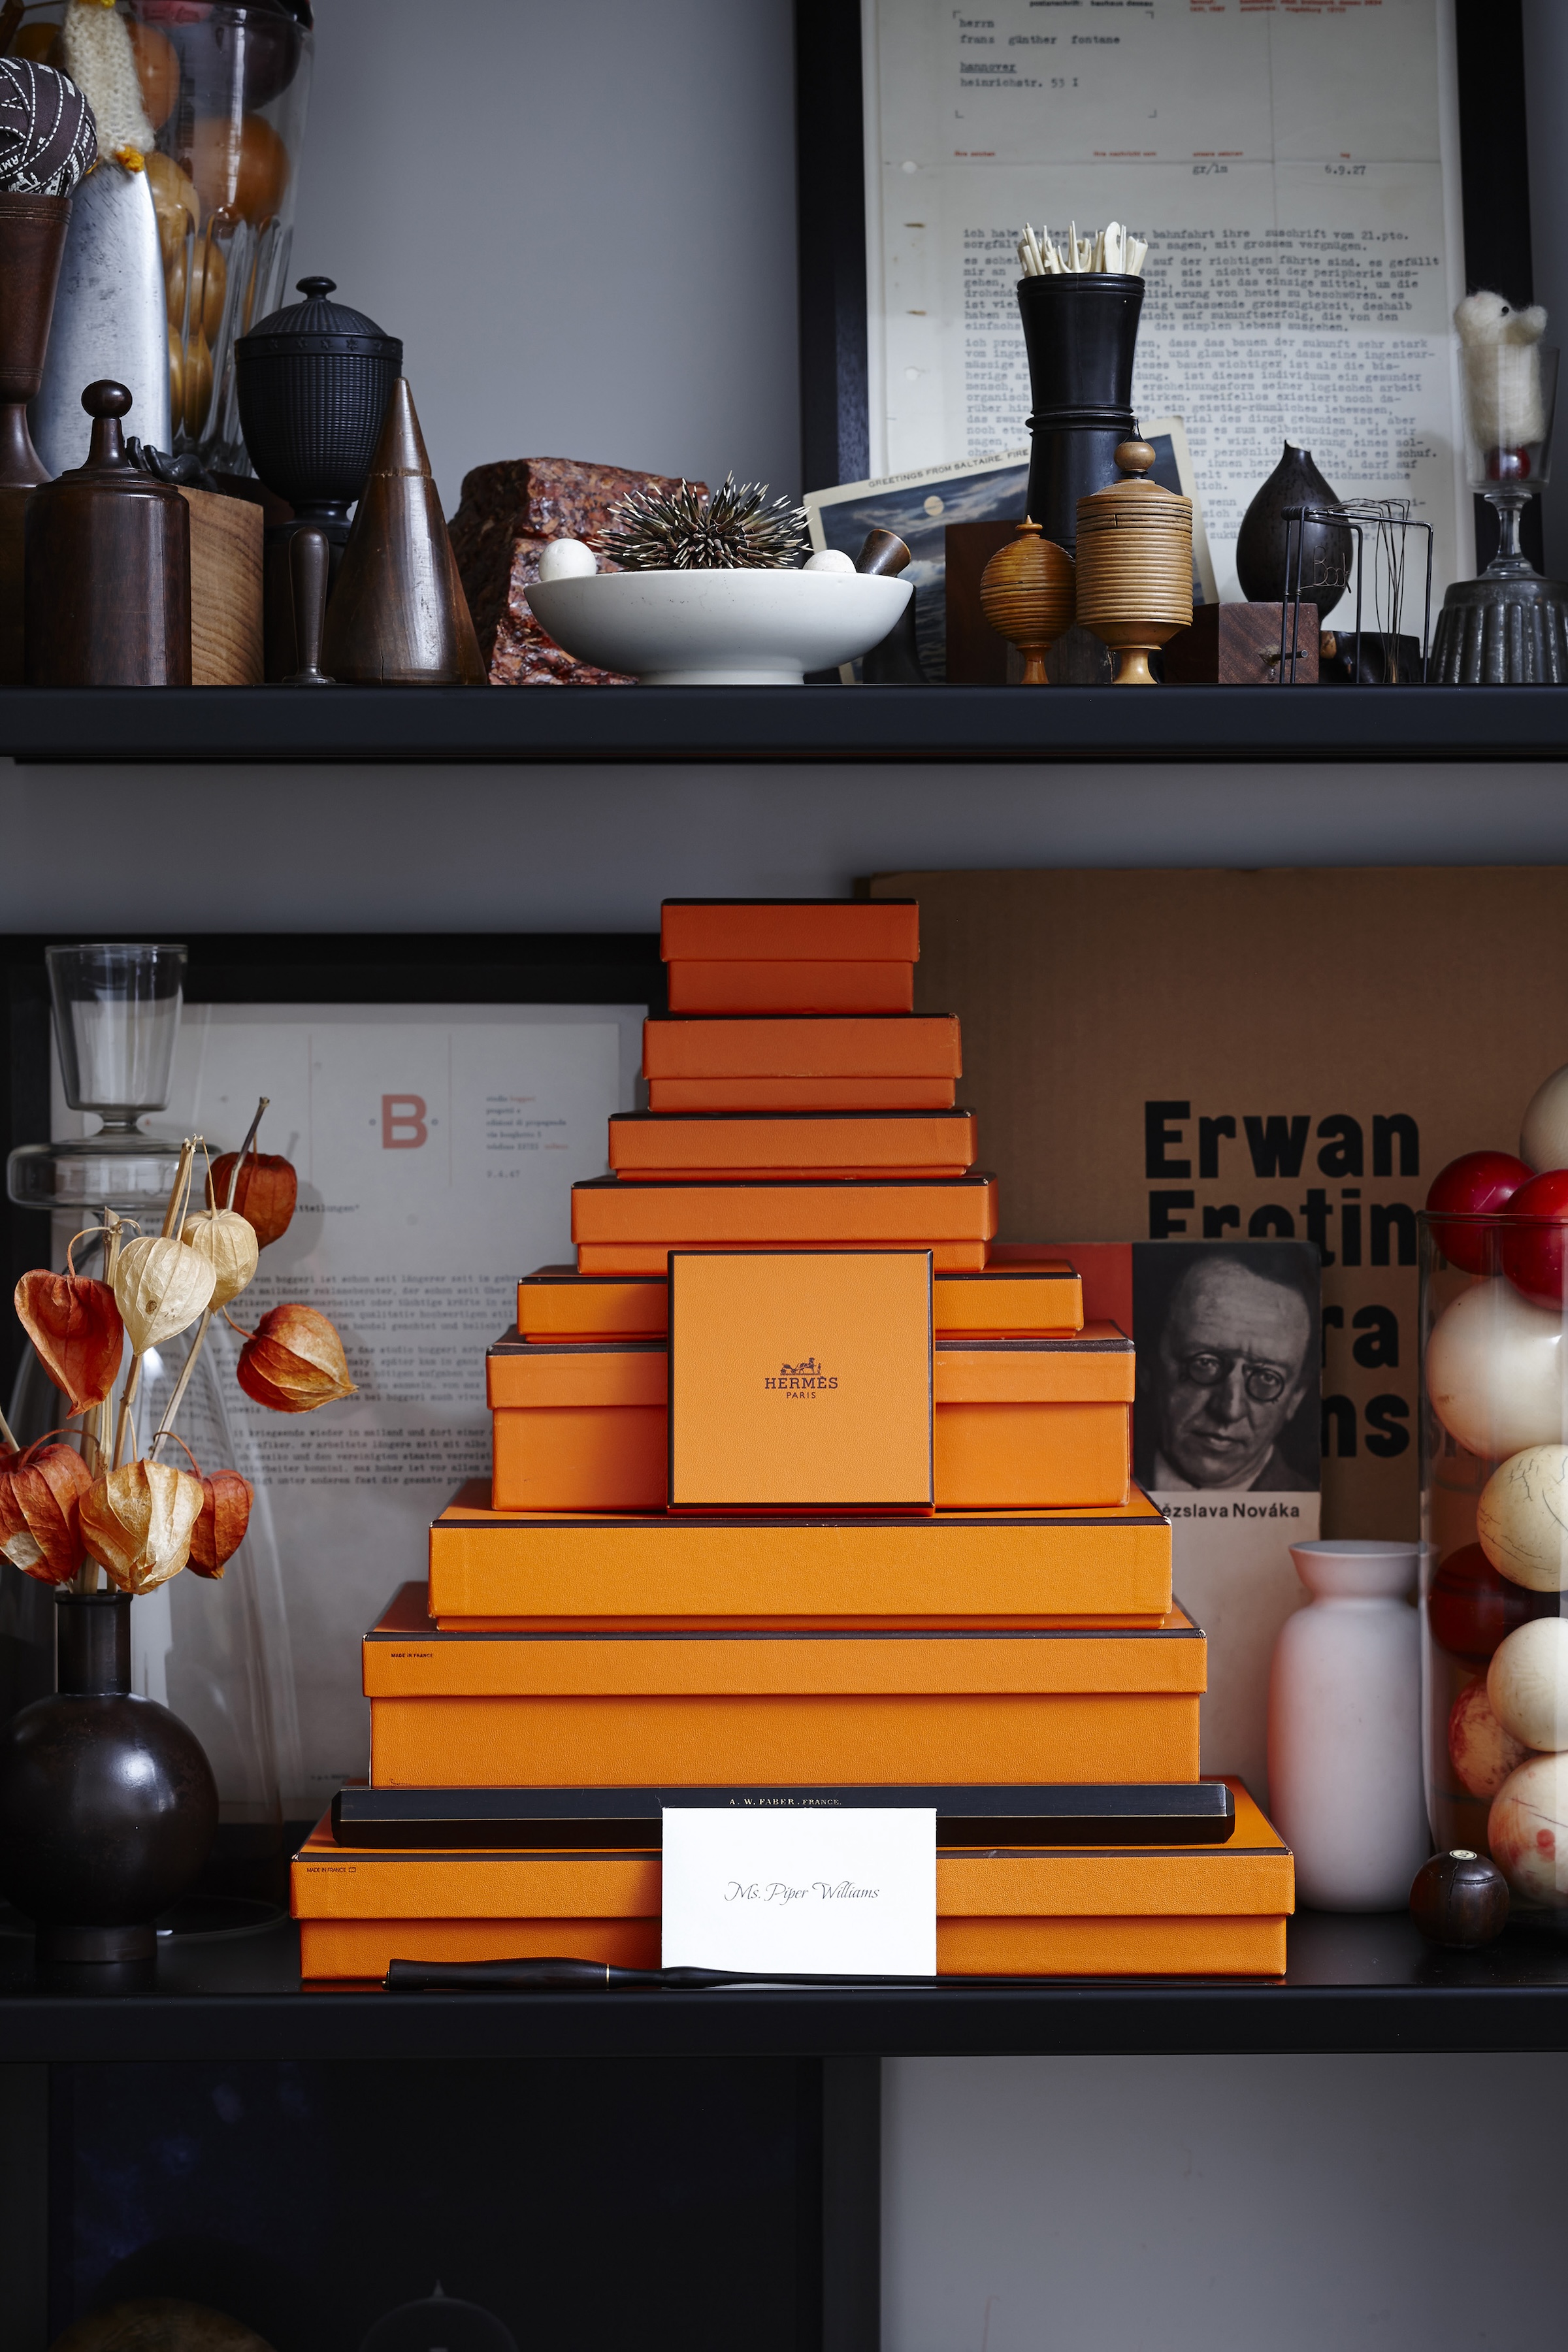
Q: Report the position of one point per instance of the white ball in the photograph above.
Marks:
(1543, 1138)
(829, 559)
(1480, 1751)
(1527, 1683)
(1521, 1518)
(1496, 1371)
(1527, 1830)
(567, 559)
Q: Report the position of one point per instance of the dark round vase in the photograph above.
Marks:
(107, 1804)
(1080, 332)
(1266, 543)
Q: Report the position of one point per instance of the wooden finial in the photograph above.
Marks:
(1026, 595)
(1134, 457)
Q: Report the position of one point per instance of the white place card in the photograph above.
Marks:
(801, 1891)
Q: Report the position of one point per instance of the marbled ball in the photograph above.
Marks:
(1521, 1518)
(1527, 1684)
(1480, 1751)
(1496, 1371)
(1471, 1609)
(567, 559)
(1543, 1132)
(48, 139)
(1527, 1831)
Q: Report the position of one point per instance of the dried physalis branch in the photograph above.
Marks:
(160, 1287)
(40, 1498)
(262, 1186)
(137, 1523)
(74, 1324)
(225, 1514)
(227, 1498)
(294, 1361)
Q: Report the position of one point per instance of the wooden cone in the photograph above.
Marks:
(397, 615)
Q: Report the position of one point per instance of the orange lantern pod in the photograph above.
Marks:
(225, 1514)
(294, 1361)
(74, 1324)
(40, 1499)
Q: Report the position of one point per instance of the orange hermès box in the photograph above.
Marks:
(654, 1572)
(901, 1046)
(1030, 1424)
(738, 989)
(608, 1710)
(800, 1380)
(557, 1303)
(1042, 1911)
(681, 1098)
(1016, 1425)
(797, 931)
(578, 1428)
(1008, 1303)
(632, 1228)
(647, 1147)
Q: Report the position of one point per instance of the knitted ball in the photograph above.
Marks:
(49, 140)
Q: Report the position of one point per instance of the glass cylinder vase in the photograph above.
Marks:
(1494, 1502)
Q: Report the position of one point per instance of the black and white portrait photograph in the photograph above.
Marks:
(1228, 1366)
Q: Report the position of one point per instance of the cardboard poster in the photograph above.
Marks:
(1270, 1055)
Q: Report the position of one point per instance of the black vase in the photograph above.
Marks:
(1266, 544)
(107, 1804)
(1080, 332)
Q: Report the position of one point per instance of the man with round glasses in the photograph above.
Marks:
(1231, 1367)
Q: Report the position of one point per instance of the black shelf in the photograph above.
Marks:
(652, 724)
(1353, 1984)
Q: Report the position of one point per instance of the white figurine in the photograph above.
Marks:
(1502, 371)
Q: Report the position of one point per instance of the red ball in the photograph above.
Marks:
(1477, 1184)
(1471, 1609)
(1507, 464)
(1535, 1253)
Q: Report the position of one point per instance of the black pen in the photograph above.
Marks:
(588, 1976)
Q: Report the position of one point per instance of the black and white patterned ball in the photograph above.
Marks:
(48, 139)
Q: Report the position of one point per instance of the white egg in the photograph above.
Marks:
(1527, 1683)
(1480, 1751)
(1521, 1518)
(1496, 1369)
(1543, 1138)
(1527, 1830)
(829, 559)
(567, 559)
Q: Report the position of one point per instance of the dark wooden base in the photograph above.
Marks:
(1238, 644)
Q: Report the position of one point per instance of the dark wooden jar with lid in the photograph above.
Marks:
(108, 567)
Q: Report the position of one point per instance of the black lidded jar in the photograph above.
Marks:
(1080, 332)
(313, 382)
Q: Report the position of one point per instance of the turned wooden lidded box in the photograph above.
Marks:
(1135, 564)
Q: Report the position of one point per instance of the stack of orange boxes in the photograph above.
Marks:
(792, 1488)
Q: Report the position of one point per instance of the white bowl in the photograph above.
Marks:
(719, 628)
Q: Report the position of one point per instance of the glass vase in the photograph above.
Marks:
(1494, 1486)
(225, 88)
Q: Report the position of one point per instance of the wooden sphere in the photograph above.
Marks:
(173, 190)
(209, 282)
(1459, 1899)
(241, 169)
(159, 2324)
(1527, 1684)
(1027, 593)
(1527, 1831)
(1135, 456)
(190, 380)
(157, 70)
(1480, 1751)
